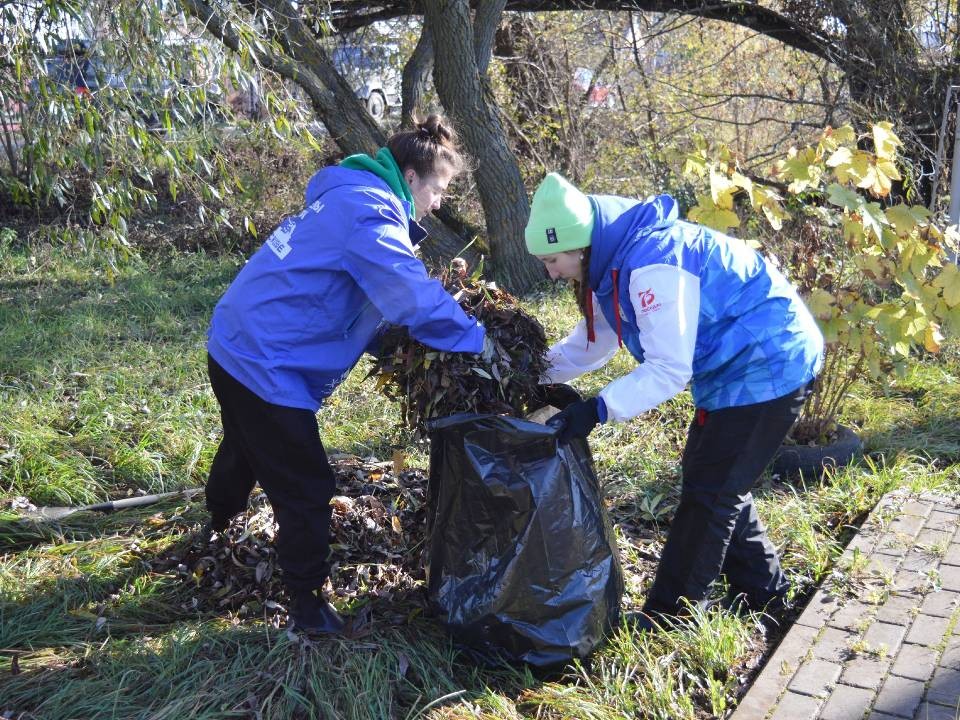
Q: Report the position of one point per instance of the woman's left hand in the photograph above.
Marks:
(577, 420)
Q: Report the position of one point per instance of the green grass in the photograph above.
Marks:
(103, 392)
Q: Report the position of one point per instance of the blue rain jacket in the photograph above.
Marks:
(301, 312)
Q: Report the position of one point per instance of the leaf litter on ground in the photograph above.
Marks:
(376, 536)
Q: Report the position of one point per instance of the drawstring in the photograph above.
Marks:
(591, 335)
(616, 304)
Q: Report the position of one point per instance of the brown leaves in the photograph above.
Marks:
(432, 384)
(376, 534)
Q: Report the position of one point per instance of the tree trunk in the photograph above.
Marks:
(502, 194)
(416, 75)
(307, 64)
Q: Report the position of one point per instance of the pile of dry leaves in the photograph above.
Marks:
(376, 533)
(431, 384)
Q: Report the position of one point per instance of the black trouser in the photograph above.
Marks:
(716, 529)
(278, 447)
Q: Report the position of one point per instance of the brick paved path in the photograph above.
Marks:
(880, 639)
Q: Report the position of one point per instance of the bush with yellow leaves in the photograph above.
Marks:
(876, 273)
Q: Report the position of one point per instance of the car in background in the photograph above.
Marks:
(74, 66)
(374, 79)
(77, 66)
(601, 95)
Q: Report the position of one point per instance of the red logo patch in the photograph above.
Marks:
(646, 298)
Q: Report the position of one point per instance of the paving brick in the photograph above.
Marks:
(899, 609)
(907, 525)
(927, 630)
(893, 544)
(821, 606)
(952, 556)
(933, 538)
(884, 636)
(796, 707)
(941, 603)
(834, 644)
(908, 582)
(774, 677)
(944, 688)
(929, 711)
(854, 615)
(882, 565)
(815, 677)
(846, 703)
(866, 671)
(863, 541)
(919, 561)
(950, 577)
(923, 508)
(951, 655)
(940, 520)
(899, 696)
(916, 662)
(945, 503)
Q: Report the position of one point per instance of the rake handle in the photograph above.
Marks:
(129, 502)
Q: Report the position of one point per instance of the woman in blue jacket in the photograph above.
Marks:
(295, 321)
(692, 306)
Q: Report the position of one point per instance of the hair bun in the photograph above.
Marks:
(434, 128)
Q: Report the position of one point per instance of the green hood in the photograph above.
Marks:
(384, 167)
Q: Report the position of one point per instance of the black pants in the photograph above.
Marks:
(716, 529)
(278, 447)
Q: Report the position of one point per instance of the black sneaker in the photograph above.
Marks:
(310, 613)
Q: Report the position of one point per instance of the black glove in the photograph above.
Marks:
(577, 420)
(559, 395)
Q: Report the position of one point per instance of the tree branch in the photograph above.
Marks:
(350, 15)
(486, 19)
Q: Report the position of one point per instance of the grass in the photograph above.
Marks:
(103, 393)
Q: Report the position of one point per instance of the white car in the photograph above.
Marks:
(371, 75)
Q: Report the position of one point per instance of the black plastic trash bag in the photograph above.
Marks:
(522, 559)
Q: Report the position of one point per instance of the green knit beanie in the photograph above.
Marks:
(561, 218)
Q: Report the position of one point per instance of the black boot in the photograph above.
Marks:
(310, 613)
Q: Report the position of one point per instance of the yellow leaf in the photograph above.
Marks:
(712, 216)
(903, 219)
(775, 215)
(821, 303)
(695, 165)
(885, 141)
(395, 524)
(873, 218)
(932, 338)
(853, 232)
(949, 280)
(742, 182)
(845, 133)
(888, 169)
(841, 156)
(721, 189)
(803, 168)
(870, 265)
(855, 170)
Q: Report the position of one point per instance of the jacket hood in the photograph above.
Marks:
(619, 223)
(334, 176)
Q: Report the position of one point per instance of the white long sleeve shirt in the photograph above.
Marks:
(666, 301)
